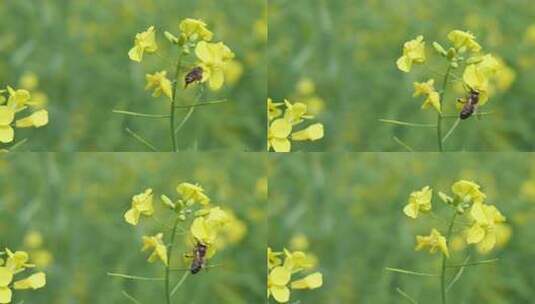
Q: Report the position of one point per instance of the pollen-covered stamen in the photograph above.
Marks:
(195, 75)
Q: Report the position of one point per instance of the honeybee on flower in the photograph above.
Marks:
(480, 225)
(479, 73)
(213, 62)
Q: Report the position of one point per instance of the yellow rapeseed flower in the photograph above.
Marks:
(435, 241)
(468, 191)
(206, 227)
(213, 58)
(278, 279)
(413, 52)
(156, 244)
(427, 89)
(194, 29)
(160, 84)
(465, 40)
(477, 75)
(483, 230)
(17, 98)
(145, 42)
(141, 205)
(192, 193)
(278, 132)
(419, 201)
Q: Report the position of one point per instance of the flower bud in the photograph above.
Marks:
(439, 49)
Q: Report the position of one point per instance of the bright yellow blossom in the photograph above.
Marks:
(427, 89)
(468, 191)
(296, 113)
(156, 244)
(419, 201)
(311, 281)
(17, 98)
(278, 279)
(205, 228)
(144, 42)
(141, 205)
(35, 281)
(311, 133)
(466, 40)
(192, 193)
(213, 58)
(17, 261)
(160, 83)
(483, 231)
(478, 75)
(435, 241)
(413, 52)
(194, 29)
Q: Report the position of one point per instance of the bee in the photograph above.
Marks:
(195, 75)
(199, 252)
(470, 104)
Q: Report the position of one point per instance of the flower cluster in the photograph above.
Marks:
(14, 264)
(281, 124)
(207, 220)
(467, 200)
(15, 101)
(282, 266)
(464, 53)
(212, 58)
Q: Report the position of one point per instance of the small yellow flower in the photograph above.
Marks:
(468, 191)
(273, 109)
(296, 113)
(278, 133)
(483, 231)
(296, 261)
(205, 228)
(144, 42)
(273, 258)
(192, 193)
(141, 205)
(213, 58)
(419, 201)
(17, 98)
(435, 241)
(413, 52)
(311, 281)
(278, 279)
(36, 119)
(312, 132)
(478, 75)
(428, 89)
(6, 276)
(466, 40)
(194, 29)
(17, 261)
(157, 245)
(160, 83)
(7, 115)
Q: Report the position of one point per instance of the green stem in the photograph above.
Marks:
(182, 280)
(439, 116)
(444, 260)
(169, 255)
(173, 102)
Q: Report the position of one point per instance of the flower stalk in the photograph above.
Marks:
(444, 260)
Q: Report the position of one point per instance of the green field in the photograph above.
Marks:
(78, 51)
(348, 49)
(76, 203)
(349, 207)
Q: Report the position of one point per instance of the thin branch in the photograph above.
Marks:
(182, 280)
(141, 114)
(404, 145)
(131, 298)
(474, 263)
(422, 274)
(407, 124)
(450, 131)
(17, 145)
(406, 296)
(141, 140)
(457, 276)
(201, 104)
(132, 277)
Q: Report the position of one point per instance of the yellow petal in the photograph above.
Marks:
(487, 243)
(216, 79)
(281, 294)
(37, 119)
(279, 276)
(6, 276)
(7, 115)
(281, 145)
(132, 216)
(404, 64)
(312, 132)
(7, 134)
(203, 52)
(411, 210)
(475, 234)
(280, 128)
(5, 295)
(136, 54)
(35, 281)
(311, 281)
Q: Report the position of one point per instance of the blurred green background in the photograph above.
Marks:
(348, 50)
(349, 207)
(78, 51)
(76, 203)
